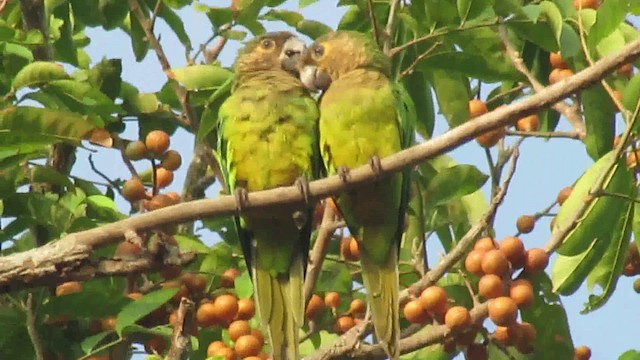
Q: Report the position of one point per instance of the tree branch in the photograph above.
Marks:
(16, 268)
(569, 112)
(32, 330)
(326, 230)
(181, 338)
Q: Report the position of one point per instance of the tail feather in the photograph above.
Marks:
(382, 294)
(280, 305)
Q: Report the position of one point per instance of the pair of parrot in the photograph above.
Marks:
(272, 133)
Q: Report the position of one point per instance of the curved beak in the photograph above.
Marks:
(314, 79)
(291, 51)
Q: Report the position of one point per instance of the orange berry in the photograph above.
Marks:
(225, 353)
(527, 333)
(490, 286)
(194, 282)
(506, 335)
(415, 313)
(586, 4)
(315, 306)
(625, 70)
(171, 160)
(226, 307)
(159, 201)
(206, 315)
(332, 299)
(344, 323)
(473, 261)
(526, 223)
(258, 335)
(135, 150)
(164, 177)
(157, 142)
(69, 287)
(246, 309)
(477, 108)
(564, 194)
(495, 262)
(521, 292)
(503, 311)
(354, 248)
(238, 328)
(214, 346)
(486, 244)
(513, 248)
(457, 317)
(229, 278)
(582, 353)
(357, 307)
(133, 190)
(490, 138)
(528, 123)
(557, 62)
(127, 250)
(434, 299)
(535, 260)
(345, 249)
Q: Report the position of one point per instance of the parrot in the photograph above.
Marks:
(268, 138)
(365, 116)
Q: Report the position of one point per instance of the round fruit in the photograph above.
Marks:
(357, 307)
(632, 158)
(171, 160)
(206, 315)
(528, 123)
(157, 142)
(69, 287)
(473, 262)
(585, 4)
(155, 345)
(354, 248)
(629, 269)
(521, 292)
(535, 260)
(582, 353)
(136, 150)
(491, 137)
(344, 323)
(315, 306)
(164, 177)
(174, 196)
(258, 335)
(332, 299)
(238, 328)
(229, 277)
(557, 62)
(252, 358)
(503, 311)
(226, 307)
(490, 286)
(495, 262)
(415, 313)
(476, 352)
(108, 323)
(557, 75)
(477, 108)
(636, 285)
(563, 195)
(457, 317)
(194, 282)
(527, 333)
(159, 201)
(225, 353)
(506, 335)
(513, 248)
(345, 249)
(214, 346)
(625, 70)
(133, 190)
(525, 223)
(246, 309)
(173, 318)
(486, 244)
(434, 299)
(127, 250)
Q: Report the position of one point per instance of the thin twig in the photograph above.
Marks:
(32, 330)
(181, 338)
(211, 55)
(112, 183)
(616, 195)
(515, 90)
(472, 293)
(411, 68)
(154, 14)
(325, 231)
(393, 8)
(125, 159)
(374, 22)
(570, 113)
(546, 135)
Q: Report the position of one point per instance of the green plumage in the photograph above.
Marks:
(267, 138)
(364, 114)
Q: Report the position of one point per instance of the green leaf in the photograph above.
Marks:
(209, 119)
(631, 96)
(142, 307)
(630, 355)
(106, 75)
(335, 277)
(191, 243)
(49, 175)
(200, 77)
(90, 343)
(454, 182)
(452, 92)
(307, 347)
(59, 125)
(599, 219)
(175, 23)
(37, 73)
(244, 286)
(549, 318)
(485, 68)
(313, 29)
(609, 268)
(609, 16)
(64, 46)
(290, 18)
(104, 208)
(432, 352)
(551, 12)
(471, 9)
(138, 38)
(305, 3)
(611, 44)
(420, 91)
(82, 304)
(599, 116)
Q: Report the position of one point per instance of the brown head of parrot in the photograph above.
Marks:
(270, 51)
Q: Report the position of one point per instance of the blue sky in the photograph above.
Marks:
(544, 168)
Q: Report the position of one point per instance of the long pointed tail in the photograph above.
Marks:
(382, 294)
(280, 304)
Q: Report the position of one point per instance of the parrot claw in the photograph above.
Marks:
(343, 172)
(242, 198)
(376, 166)
(303, 186)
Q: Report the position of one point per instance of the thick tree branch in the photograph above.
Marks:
(15, 268)
(569, 112)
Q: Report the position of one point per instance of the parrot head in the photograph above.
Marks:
(275, 50)
(338, 53)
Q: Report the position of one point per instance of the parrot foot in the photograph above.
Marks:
(242, 198)
(376, 166)
(303, 186)
(343, 172)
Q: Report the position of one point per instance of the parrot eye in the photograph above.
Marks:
(318, 51)
(267, 43)
(290, 53)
